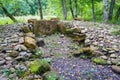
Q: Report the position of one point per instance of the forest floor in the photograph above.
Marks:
(59, 49)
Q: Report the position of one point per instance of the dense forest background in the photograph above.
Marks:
(90, 10)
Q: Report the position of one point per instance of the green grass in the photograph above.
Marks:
(21, 19)
(116, 30)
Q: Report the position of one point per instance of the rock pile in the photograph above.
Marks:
(100, 38)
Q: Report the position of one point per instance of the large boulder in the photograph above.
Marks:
(45, 27)
(30, 42)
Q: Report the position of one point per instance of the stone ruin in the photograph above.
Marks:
(48, 27)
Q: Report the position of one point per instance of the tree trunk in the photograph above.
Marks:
(93, 11)
(111, 9)
(7, 13)
(40, 9)
(117, 14)
(105, 11)
(64, 9)
(71, 9)
(76, 12)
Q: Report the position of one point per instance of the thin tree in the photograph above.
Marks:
(71, 9)
(76, 12)
(93, 11)
(64, 9)
(105, 11)
(40, 9)
(111, 9)
(7, 13)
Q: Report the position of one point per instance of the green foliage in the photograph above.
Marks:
(39, 53)
(53, 8)
(20, 72)
(6, 72)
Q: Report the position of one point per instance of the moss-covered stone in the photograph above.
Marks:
(51, 75)
(39, 66)
(73, 30)
(86, 52)
(99, 60)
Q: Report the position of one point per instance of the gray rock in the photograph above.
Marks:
(111, 51)
(113, 56)
(114, 61)
(13, 54)
(109, 62)
(2, 62)
(104, 57)
(20, 58)
(23, 53)
(20, 48)
(3, 78)
(21, 40)
(24, 48)
(8, 58)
